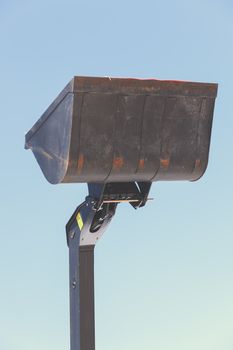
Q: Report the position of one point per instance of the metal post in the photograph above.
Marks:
(82, 320)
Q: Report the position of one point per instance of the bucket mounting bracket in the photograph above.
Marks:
(83, 230)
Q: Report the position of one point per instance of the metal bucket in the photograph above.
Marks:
(120, 129)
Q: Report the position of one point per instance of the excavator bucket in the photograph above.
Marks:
(123, 130)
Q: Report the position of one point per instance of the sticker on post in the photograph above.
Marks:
(79, 221)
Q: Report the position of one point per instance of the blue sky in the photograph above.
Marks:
(164, 274)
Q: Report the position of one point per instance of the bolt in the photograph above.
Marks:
(72, 234)
(74, 283)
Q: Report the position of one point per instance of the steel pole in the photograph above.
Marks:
(82, 313)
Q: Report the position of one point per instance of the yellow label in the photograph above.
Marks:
(79, 221)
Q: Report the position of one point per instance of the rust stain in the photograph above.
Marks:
(141, 164)
(164, 163)
(118, 163)
(80, 162)
(197, 163)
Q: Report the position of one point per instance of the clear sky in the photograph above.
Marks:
(164, 274)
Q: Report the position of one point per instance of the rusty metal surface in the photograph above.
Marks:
(120, 129)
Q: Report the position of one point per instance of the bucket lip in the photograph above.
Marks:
(144, 86)
(116, 85)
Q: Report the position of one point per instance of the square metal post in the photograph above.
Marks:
(82, 319)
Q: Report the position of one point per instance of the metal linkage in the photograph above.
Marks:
(85, 227)
(136, 193)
